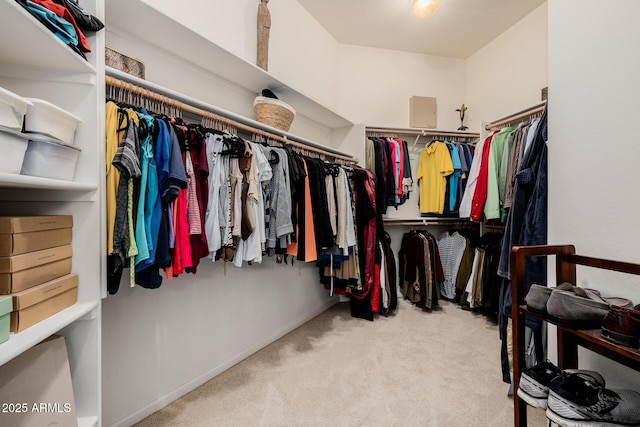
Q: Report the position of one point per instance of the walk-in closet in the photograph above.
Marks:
(301, 213)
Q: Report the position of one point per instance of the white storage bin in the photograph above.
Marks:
(48, 158)
(45, 118)
(12, 109)
(12, 148)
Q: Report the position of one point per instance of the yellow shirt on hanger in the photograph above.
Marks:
(434, 166)
(113, 137)
(113, 175)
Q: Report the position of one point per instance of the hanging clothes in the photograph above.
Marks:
(527, 221)
(388, 160)
(451, 245)
(417, 269)
(474, 175)
(178, 192)
(126, 161)
(494, 202)
(434, 166)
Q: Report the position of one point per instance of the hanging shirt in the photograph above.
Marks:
(407, 181)
(113, 122)
(198, 157)
(260, 170)
(494, 203)
(345, 237)
(310, 253)
(280, 223)
(126, 160)
(396, 160)
(472, 181)
(236, 179)
(480, 195)
(148, 187)
(454, 178)
(182, 251)
(434, 166)
(451, 246)
(212, 218)
(401, 172)
(530, 136)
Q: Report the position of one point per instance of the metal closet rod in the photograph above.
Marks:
(425, 222)
(516, 116)
(422, 132)
(153, 95)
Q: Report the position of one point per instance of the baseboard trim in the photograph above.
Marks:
(158, 404)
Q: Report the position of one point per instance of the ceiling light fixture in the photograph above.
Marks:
(425, 8)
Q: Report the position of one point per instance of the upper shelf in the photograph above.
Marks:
(12, 180)
(374, 130)
(28, 46)
(142, 20)
(15, 187)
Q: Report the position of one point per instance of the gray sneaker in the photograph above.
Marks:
(578, 400)
(534, 383)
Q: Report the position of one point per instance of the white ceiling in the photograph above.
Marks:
(458, 29)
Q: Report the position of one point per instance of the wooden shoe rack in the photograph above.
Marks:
(568, 339)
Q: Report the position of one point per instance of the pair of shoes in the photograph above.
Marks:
(571, 306)
(622, 326)
(538, 295)
(534, 383)
(576, 399)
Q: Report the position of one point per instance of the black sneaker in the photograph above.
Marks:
(578, 400)
(534, 383)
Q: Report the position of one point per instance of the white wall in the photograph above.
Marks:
(593, 151)
(507, 75)
(160, 344)
(231, 24)
(376, 84)
(301, 52)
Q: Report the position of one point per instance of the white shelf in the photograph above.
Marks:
(87, 421)
(23, 341)
(212, 108)
(143, 21)
(12, 180)
(27, 47)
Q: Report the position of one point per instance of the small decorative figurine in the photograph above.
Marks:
(461, 110)
(264, 26)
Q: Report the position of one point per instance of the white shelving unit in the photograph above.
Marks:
(35, 63)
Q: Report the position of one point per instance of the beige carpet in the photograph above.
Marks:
(416, 368)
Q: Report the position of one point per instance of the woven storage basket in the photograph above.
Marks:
(273, 112)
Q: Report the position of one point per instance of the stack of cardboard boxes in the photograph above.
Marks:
(35, 267)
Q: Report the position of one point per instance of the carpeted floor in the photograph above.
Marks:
(414, 368)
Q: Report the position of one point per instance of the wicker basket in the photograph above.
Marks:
(273, 112)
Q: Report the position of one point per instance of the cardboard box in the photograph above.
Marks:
(423, 112)
(22, 234)
(15, 244)
(35, 304)
(20, 272)
(29, 223)
(37, 389)
(6, 305)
